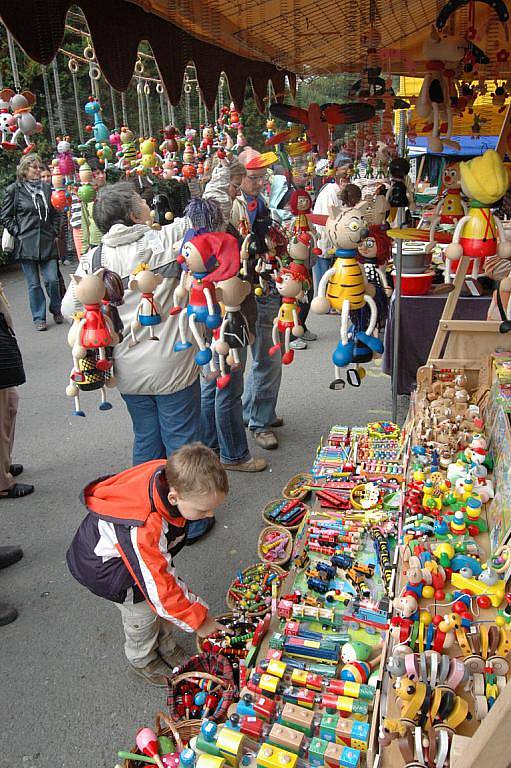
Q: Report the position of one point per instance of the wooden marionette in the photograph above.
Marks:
(169, 146)
(289, 284)
(479, 234)
(148, 311)
(90, 337)
(208, 258)
(233, 334)
(443, 54)
(344, 288)
(376, 251)
(300, 249)
(300, 204)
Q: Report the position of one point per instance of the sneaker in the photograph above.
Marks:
(59, 318)
(66, 262)
(173, 657)
(298, 344)
(279, 422)
(10, 555)
(156, 672)
(309, 336)
(266, 440)
(8, 613)
(41, 326)
(251, 465)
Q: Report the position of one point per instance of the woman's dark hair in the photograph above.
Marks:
(115, 204)
(114, 288)
(351, 195)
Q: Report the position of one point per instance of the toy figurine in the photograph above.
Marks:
(442, 55)
(22, 123)
(479, 234)
(289, 284)
(128, 152)
(148, 312)
(300, 205)
(149, 160)
(208, 134)
(90, 335)
(101, 134)
(344, 287)
(209, 257)
(169, 146)
(300, 248)
(233, 333)
(451, 208)
(399, 194)
(65, 159)
(376, 251)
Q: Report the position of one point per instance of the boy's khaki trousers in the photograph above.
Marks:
(145, 633)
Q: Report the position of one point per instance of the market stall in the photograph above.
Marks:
(374, 629)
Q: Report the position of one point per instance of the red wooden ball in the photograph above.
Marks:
(437, 620)
(484, 602)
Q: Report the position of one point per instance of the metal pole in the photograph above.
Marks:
(397, 285)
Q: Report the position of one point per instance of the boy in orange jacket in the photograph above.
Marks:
(123, 551)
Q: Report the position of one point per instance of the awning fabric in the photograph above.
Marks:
(117, 28)
(262, 39)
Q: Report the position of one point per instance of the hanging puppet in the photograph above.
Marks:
(344, 288)
(209, 258)
(289, 283)
(233, 334)
(148, 311)
(376, 252)
(22, 121)
(91, 336)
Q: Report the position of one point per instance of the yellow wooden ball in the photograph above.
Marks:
(428, 592)
(426, 618)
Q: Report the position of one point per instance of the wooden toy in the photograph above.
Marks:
(270, 756)
(21, 121)
(148, 311)
(233, 333)
(286, 513)
(443, 54)
(252, 590)
(290, 287)
(296, 487)
(148, 744)
(344, 288)
(210, 258)
(479, 234)
(275, 545)
(91, 334)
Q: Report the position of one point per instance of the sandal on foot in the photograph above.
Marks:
(16, 469)
(17, 491)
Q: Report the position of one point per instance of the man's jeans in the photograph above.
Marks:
(35, 292)
(263, 382)
(222, 416)
(163, 423)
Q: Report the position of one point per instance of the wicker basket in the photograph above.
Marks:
(195, 668)
(232, 604)
(289, 544)
(269, 507)
(165, 727)
(292, 489)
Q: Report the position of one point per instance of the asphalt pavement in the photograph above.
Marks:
(66, 698)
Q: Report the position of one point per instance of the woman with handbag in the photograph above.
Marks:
(28, 215)
(12, 375)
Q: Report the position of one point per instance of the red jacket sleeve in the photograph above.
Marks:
(161, 585)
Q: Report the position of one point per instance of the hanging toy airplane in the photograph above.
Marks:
(318, 118)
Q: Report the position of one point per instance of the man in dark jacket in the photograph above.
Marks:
(29, 216)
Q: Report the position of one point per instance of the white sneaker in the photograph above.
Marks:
(298, 344)
(309, 336)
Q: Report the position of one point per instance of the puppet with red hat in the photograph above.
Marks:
(300, 204)
(209, 258)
